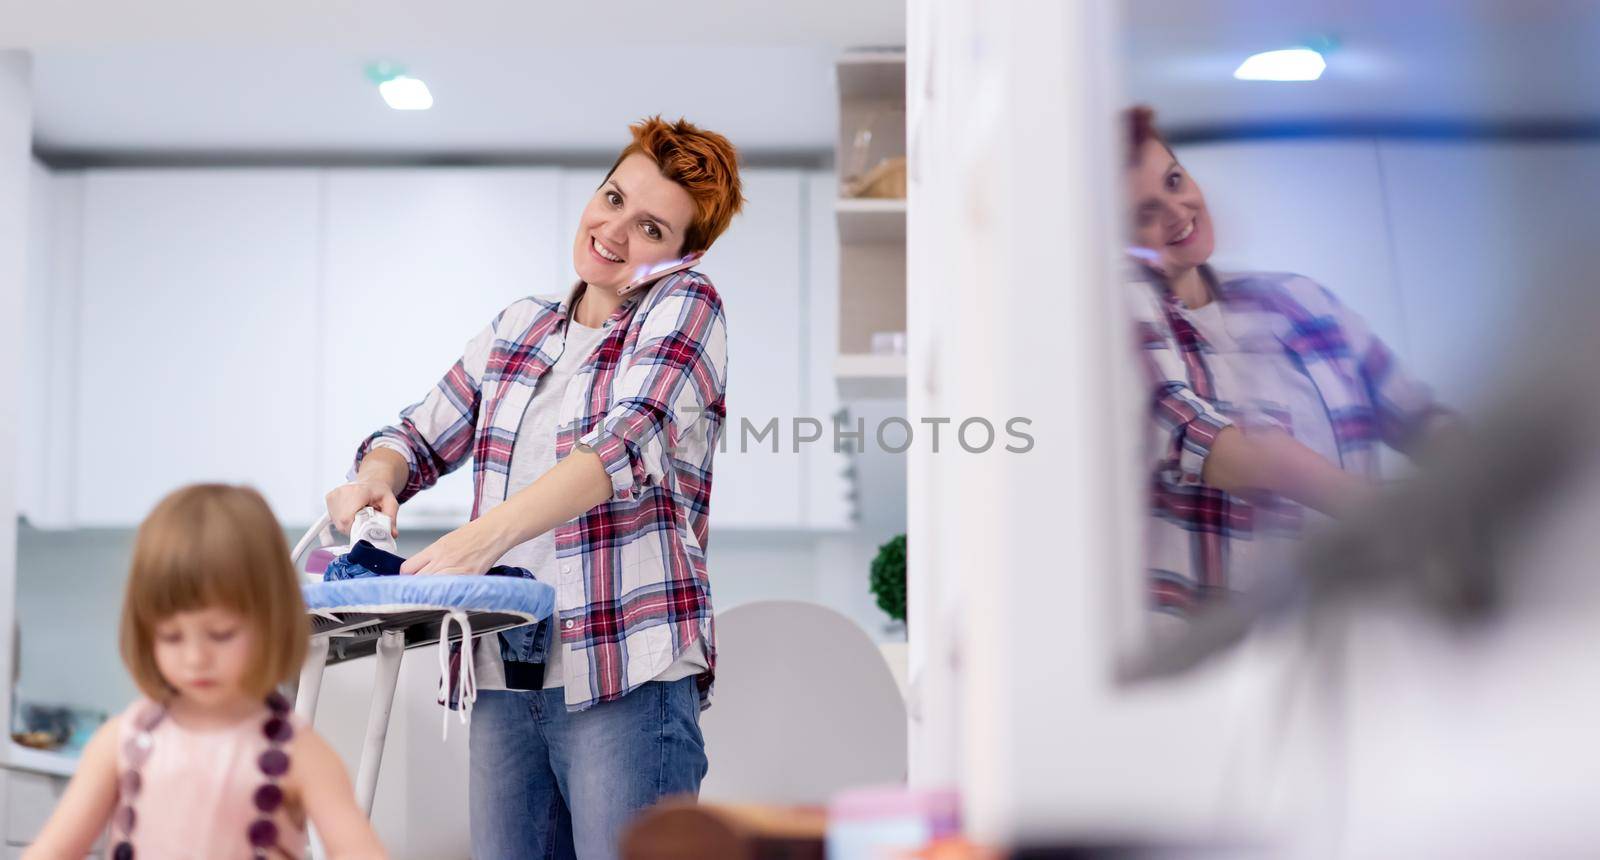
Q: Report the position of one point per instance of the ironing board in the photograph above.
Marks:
(386, 616)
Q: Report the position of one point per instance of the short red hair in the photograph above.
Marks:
(1139, 127)
(703, 162)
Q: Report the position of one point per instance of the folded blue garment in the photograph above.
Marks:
(364, 560)
(523, 649)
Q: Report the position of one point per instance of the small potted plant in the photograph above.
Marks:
(889, 580)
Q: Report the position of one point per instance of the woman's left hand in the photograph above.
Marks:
(471, 549)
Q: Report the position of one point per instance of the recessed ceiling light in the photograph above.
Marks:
(404, 92)
(399, 90)
(1292, 64)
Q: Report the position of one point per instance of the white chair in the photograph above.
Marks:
(805, 706)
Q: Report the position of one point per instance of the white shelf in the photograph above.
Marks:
(871, 205)
(19, 757)
(866, 366)
(871, 377)
(870, 220)
(884, 54)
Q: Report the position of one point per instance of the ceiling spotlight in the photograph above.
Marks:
(406, 93)
(399, 90)
(1292, 64)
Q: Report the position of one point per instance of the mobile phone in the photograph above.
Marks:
(651, 274)
(1148, 258)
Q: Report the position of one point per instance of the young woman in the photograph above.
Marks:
(590, 420)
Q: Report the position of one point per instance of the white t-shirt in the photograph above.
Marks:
(533, 454)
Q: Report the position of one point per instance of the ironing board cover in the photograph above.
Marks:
(383, 594)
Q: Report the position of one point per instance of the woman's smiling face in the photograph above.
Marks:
(1170, 216)
(635, 220)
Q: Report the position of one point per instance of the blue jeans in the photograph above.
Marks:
(551, 784)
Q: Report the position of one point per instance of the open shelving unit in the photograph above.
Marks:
(872, 230)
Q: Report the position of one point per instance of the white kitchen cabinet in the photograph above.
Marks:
(254, 325)
(578, 184)
(197, 338)
(49, 348)
(757, 267)
(416, 262)
(35, 391)
(30, 798)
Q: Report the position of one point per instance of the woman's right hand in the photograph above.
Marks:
(346, 500)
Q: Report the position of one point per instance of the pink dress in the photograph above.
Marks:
(195, 797)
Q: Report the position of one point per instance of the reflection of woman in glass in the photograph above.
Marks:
(1269, 396)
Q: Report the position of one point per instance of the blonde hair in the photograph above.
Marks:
(214, 545)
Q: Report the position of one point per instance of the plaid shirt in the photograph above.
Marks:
(1367, 397)
(632, 590)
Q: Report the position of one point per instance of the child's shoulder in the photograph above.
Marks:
(140, 713)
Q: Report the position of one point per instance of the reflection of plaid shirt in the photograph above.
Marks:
(1368, 400)
(632, 590)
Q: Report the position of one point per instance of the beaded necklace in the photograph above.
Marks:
(274, 763)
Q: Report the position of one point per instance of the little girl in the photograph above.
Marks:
(211, 765)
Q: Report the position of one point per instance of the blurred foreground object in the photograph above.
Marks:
(686, 830)
(955, 848)
(889, 821)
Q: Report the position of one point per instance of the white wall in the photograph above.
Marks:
(16, 136)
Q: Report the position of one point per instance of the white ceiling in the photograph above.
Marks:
(508, 76)
(513, 78)
(486, 100)
(409, 24)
